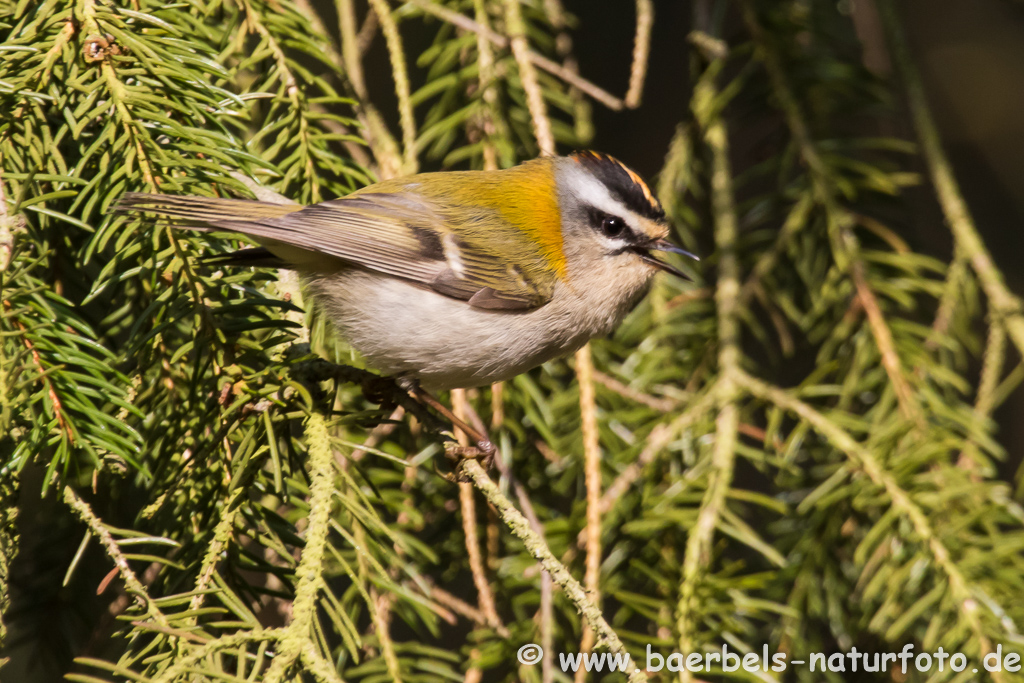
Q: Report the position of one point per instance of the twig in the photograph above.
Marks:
(641, 52)
(546, 604)
(592, 469)
(490, 120)
(845, 245)
(308, 577)
(984, 402)
(379, 433)
(224, 642)
(401, 77)
(221, 536)
(463, 608)
(541, 62)
(657, 440)
(794, 223)
(367, 31)
(883, 337)
(534, 97)
(1006, 306)
(952, 294)
(97, 529)
(468, 503)
(664, 405)
(536, 546)
(350, 64)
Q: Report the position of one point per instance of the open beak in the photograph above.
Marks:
(665, 245)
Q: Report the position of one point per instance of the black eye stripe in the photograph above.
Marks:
(610, 225)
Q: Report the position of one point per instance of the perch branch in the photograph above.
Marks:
(592, 469)
(537, 547)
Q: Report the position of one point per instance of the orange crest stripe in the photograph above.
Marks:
(640, 181)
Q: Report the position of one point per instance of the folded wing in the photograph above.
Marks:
(398, 234)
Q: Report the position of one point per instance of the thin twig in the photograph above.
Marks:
(592, 469)
(546, 588)
(382, 143)
(641, 52)
(401, 78)
(131, 582)
(664, 405)
(541, 62)
(883, 338)
(308, 577)
(468, 503)
(221, 536)
(901, 500)
(463, 608)
(1006, 306)
(660, 437)
(846, 249)
(534, 97)
(538, 548)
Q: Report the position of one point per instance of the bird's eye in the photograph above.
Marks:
(612, 226)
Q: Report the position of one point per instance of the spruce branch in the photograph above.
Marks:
(132, 583)
(592, 482)
(516, 29)
(1007, 308)
(401, 77)
(659, 439)
(641, 52)
(959, 587)
(840, 220)
(296, 635)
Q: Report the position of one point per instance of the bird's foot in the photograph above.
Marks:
(458, 454)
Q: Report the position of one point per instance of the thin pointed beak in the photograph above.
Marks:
(665, 245)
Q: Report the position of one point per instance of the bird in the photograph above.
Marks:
(458, 279)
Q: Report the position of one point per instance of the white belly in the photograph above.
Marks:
(402, 329)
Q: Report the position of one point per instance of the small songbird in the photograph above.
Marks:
(464, 278)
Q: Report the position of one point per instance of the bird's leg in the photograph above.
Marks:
(484, 449)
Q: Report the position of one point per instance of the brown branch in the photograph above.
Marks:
(883, 338)
(665, 405)
(592, 469)
(660, 437)
(468, 504)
